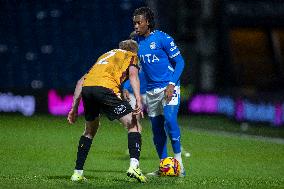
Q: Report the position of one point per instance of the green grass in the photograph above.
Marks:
(40, 151)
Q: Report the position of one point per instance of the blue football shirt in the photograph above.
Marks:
(143, 83)
(155, 53)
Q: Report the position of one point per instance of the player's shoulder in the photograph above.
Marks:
(161, 34)
(131, 53)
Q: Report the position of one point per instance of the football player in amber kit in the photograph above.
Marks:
(100, 92)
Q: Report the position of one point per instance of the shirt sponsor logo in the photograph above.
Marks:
(150, 58)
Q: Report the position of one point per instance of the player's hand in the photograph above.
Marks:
(72, 116)
(125, 93)
(138, 111)
(169, 92)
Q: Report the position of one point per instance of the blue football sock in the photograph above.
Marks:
(159, 136)
(172, 128)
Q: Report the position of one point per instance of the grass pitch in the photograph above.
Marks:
(40, 152)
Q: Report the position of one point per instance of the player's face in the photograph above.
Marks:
(141, 25)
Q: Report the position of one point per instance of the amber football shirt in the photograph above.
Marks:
(111, 69)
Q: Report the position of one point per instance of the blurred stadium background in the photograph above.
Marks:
(234, 51)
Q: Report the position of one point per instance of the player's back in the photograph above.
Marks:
(111, 69)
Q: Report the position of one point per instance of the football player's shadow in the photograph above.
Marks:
(63, 177)
(142, 158)
(104, 171)
(58, 177)
(91, 179)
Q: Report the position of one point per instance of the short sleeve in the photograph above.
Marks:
(134, 61)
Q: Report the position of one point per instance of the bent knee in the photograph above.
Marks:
(91, 128)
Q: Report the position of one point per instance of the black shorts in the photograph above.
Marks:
(98, 100)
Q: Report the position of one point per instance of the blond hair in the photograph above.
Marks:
(129, 45)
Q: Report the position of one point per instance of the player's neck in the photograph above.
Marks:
(147, 33)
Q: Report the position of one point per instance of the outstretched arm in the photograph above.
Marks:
(73, 113)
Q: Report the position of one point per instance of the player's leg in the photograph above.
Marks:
(159, 136)
(134, 145)
(131, 123)
(134, 134)
(132, 102)
(115, 108)
(173, 131)
(154, 101)
(172, 127)
(83, 149)
(159, 139)
(91, 127)
(155, 112)
(134, 138)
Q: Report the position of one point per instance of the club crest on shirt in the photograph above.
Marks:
(153, 45)
(119, 109)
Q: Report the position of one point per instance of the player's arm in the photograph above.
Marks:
(73, 113)
(125, 91)
(135, 84)
(174, 54)
(178, 69)
(177, 73)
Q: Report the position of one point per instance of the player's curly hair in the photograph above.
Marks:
(148, 14)
(129, 45)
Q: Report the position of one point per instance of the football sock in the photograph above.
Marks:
(83, 150)
(177, 156)
(79, 172)
(172, 127)
(159, 136)
(134, 145)
(134, 162)
(175, 141)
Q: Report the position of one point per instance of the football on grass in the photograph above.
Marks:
(169, 167)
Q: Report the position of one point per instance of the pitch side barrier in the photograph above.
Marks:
(58, 103)
(27, 103)
(239, 108)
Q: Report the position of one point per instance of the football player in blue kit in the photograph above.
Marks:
(162, 64)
